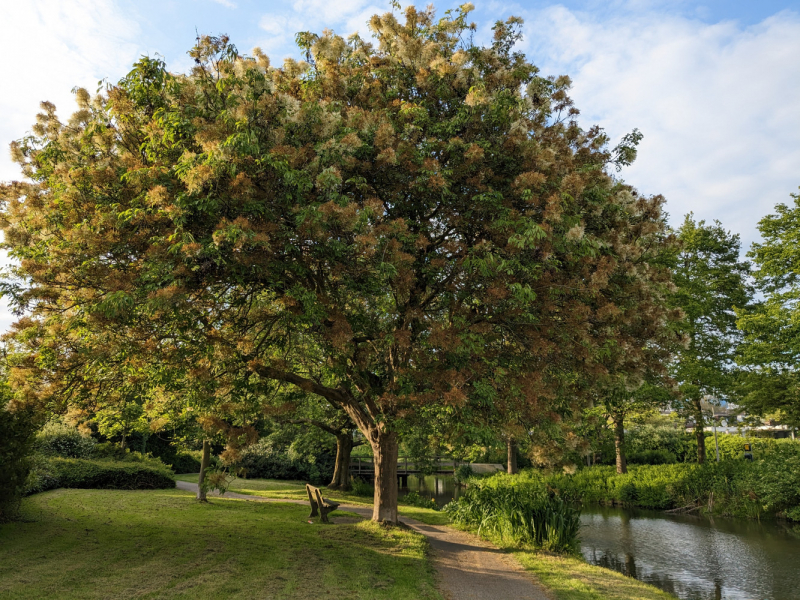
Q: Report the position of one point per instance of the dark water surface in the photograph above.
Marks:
(441, 488)
(695, 558)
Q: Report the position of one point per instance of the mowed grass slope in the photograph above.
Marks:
(164, 544)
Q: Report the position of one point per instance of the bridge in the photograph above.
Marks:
(442, 465)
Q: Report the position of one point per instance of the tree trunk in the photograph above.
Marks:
(619, 444)
(699, 432)
(385, 451)
(512, 456)
(204, 461)
(341, 472)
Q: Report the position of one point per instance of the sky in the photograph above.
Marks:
(713, 86)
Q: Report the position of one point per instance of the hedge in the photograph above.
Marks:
(50, 473)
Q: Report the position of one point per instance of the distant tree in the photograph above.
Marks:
(416, 222)
(712, 284)
(770, 353)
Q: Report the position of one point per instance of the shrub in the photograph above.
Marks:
(652, 457)
(463, 473)
(362, 488)
(414, 499)
(99, 474)
(266, 461)
(59, 439)
(518, 509)
(16, 437)
(187, 461)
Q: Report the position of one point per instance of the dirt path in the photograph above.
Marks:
(467, 567)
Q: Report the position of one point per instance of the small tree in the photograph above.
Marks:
(770, 353)
(712, 285)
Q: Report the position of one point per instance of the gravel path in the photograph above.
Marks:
(468, 568)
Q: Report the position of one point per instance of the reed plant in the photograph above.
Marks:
(514, 510)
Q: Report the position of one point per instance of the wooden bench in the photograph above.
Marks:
(324, 506)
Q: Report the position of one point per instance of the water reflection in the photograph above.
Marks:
(695, 558)
(442, 488)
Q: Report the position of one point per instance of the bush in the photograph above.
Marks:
(266, 461)
(362, 488)
(187, 461)
(59, 439)
(518, 509)
(652, 457)
(16, 437)
(56, 472)
(414, 499)
(463, 473)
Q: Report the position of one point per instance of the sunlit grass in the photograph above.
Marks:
(164, 544)
(571, 578)
(296, 490)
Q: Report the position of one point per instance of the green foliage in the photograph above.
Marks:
(186, 462)
(518, 509)
(362, 488)
(144, 474)
(771, 349)
(712, 284)
(266, 460)
(463, 473)
(16, 437)
(414, 499)
(652, 457)
(57, 438)
(766, 486)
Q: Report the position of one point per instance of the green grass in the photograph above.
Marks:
(163, 544)
(296, 490)
(570, 578)
(566, 577)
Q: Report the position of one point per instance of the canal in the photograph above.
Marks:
(694, 558)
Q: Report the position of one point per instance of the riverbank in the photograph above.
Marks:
(768, 487)
(564, 577)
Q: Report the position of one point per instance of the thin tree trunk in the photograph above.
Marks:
(385, 451)
(512, 456)
(204, 461)
(699, 432)
(619, 444)
(341, 472)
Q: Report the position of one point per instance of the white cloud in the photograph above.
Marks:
(717, 104)
(62, 44)
(225, 3)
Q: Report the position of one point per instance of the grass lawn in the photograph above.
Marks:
(296, 490)
(567, 578)
(164, 544)
(570, 578)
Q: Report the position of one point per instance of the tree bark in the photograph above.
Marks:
(204, 461)
(512, 456)
(385, 452)
(341, 472)
(619, 444)
(699, 432)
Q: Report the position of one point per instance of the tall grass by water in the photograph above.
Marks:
(517, 509)
(768, 486)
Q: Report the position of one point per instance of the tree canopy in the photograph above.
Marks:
(414, 222)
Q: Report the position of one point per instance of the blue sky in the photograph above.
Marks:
(714, 86)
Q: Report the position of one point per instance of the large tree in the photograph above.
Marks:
(770, 353)
(416, 222)
(712, 283)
